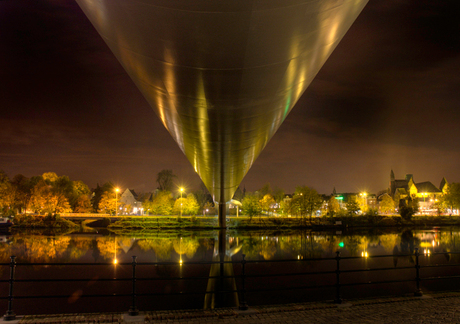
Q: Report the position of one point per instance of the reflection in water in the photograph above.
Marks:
(221, 276)
(184, 250)
(300, 245)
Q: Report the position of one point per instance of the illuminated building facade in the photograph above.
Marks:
(426, 192)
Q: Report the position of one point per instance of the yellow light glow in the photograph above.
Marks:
(116, 189)
(115, 261)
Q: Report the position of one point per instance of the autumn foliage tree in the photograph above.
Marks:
(46, 200)
(110, 201)
(162, 204)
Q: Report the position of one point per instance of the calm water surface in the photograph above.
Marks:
(181, 248)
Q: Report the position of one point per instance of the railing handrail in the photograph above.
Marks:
(133, 310)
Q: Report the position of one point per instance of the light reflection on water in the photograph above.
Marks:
(181, 248)
(94, 247)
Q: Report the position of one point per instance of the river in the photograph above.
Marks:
(182, 250)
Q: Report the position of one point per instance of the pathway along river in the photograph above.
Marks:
(180, 248)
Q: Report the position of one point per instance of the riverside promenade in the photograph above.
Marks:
(434, 308)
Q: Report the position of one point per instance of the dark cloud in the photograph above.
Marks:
(387, 98)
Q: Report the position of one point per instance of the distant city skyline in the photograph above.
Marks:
(387, 99)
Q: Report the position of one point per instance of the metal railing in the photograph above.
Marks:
(243, 277)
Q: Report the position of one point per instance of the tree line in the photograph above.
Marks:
(52, 194)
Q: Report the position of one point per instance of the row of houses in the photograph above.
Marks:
(426, 193)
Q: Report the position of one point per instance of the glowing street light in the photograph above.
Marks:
(116, 201)
(364, 195)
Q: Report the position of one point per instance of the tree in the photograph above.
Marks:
(49, 177)
(45, 200)
(451, 199)
(407, 210)
(191, 205)
(83, 204)
(7, 195)
(306, 200)
(278, 195)
(110, 201)
(202, 195)
(98, 192)
(266, 203)
(285, 207)
(24, 188)
(352, 206)
(179, 206)
(251, 205)
(208, 209)
(162, 204)
(333, 206)
(387, 205)
(165, 180)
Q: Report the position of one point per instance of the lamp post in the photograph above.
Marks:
(364, 195)
(181, 190)
(116, 201)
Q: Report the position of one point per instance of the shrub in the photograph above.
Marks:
(406, 212)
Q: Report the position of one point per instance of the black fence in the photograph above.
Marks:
(242, 279)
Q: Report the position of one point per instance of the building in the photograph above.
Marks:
(131, 204)
(425, 192)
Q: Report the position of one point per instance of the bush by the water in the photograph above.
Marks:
(40, 221)
(406, 212)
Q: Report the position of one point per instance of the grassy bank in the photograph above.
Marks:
(279, 223)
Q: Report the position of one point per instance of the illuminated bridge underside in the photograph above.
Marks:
(222, 75)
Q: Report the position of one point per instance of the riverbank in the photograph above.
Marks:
(38, 221)
(146, 223)
(281, 223)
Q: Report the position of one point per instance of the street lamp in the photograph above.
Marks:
(364, 195)
(116, 201)
(181, 190)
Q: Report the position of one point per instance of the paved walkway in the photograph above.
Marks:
(436, 308)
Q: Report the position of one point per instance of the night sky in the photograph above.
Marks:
(388, 98)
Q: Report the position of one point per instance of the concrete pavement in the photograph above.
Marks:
(435, 308)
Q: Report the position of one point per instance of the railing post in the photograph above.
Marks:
(10, 314)
(418, 291)
(337, 300)
(133, 311)
(243, 304)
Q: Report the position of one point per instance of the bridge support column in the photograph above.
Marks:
(222, 215)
